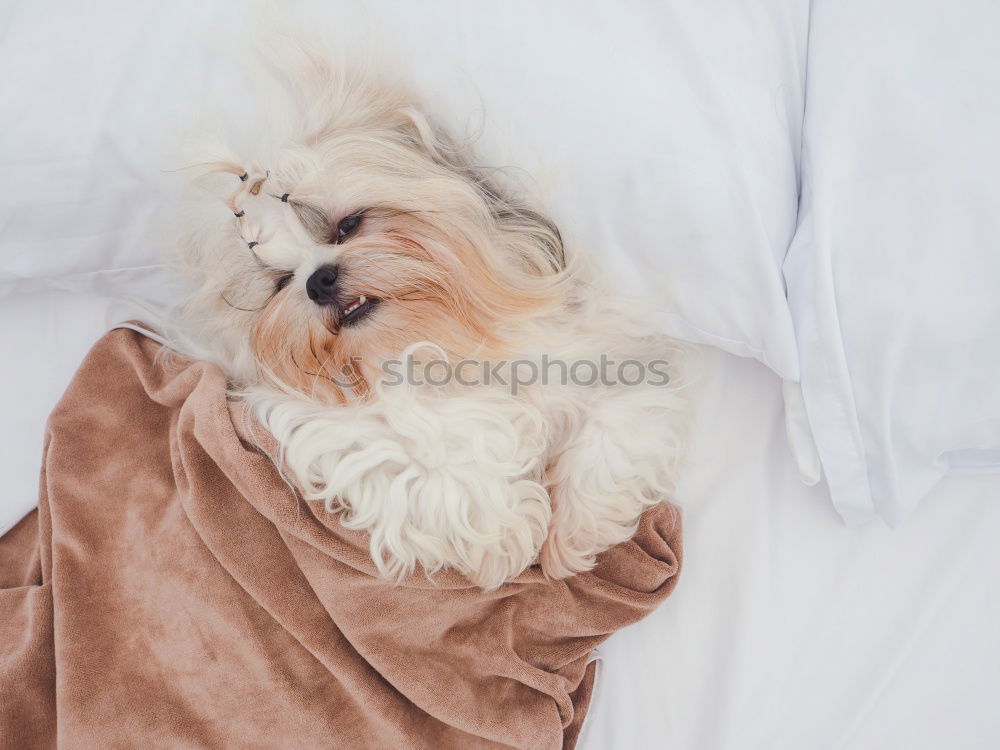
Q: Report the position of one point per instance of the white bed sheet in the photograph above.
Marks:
(44, 336)
(790, 631)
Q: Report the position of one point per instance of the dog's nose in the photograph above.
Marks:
(322, 284)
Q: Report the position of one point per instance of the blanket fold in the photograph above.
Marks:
(172, 590)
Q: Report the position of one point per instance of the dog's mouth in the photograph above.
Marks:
(357, 310)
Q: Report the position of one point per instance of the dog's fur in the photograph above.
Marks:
(475, 478)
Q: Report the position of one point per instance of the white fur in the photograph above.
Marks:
(440, 481)
(476, 479)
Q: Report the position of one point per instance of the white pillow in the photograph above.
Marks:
(665, 135)
(894, 274)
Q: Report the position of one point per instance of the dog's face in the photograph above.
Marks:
(362, 233)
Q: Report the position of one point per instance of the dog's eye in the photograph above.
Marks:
(282, 282)
(347, 227)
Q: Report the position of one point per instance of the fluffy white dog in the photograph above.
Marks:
(434, 364)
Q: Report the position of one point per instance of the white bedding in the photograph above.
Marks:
(43, 337)
(894, 272)
(788, 629)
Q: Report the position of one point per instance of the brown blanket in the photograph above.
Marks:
(171, 591)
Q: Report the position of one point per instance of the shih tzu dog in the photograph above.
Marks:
(434, 364)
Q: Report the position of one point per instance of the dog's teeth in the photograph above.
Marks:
(355, 305)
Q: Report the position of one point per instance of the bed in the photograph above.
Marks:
(790, 628)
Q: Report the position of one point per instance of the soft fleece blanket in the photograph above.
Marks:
(172, 591)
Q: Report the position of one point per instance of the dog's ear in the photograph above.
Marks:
(532, 227)
(522, 225)
(313, 88)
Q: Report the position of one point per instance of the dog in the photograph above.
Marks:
(421, 343)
